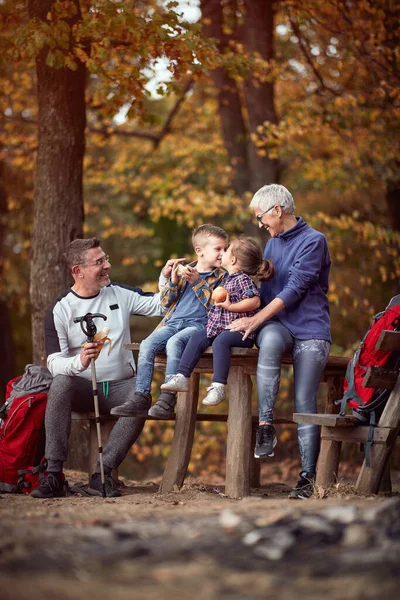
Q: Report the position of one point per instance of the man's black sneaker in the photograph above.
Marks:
(304, 488)
(52, 486)
(96, 487)
(137, 407)
(265, 441)
(164, 407)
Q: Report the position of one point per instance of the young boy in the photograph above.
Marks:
(187, 298)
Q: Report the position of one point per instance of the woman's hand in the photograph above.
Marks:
(246, 324)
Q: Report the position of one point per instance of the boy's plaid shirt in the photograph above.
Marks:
(203, 289)
(240, 287)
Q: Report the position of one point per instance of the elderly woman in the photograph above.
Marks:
(295, 319)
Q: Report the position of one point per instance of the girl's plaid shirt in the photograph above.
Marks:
(203, 289)
(240, 287)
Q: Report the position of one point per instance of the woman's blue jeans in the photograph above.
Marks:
(309, 360)
(172, 339)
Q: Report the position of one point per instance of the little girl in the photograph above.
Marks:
(241, 259)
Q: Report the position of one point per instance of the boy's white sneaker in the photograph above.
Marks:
(216, 394)
(177, 383)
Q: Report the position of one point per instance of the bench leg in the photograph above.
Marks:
(106, 427)
(255, 463)
(386, 481)
(328, 461)
(237, 483)
(181, 449)
(369, 478)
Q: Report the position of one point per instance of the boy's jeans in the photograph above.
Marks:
(173, 338)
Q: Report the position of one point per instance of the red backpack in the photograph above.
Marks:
(21, 435)
(364, 400)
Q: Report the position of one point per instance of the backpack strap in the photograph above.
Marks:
(8, 488)
(370, 439)
(350, 393)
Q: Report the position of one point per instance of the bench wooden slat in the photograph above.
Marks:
(327, 420)
(201, 417)
(379, 377)
(389, 340)
(335, 364)
(382, 435)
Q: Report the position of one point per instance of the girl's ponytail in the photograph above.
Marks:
(265, 271)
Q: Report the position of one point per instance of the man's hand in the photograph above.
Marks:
(89, 351)
(167, 269)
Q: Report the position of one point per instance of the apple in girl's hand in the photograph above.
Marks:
(219, 294)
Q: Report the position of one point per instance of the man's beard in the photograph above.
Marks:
(103, 282)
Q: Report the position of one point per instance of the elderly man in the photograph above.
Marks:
(68, 361)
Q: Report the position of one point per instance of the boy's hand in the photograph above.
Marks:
(167, 269)
(225, 304)
(191, 275)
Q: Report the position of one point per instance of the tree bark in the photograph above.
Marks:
(258, 36)
(229, 105)
(7, 363)
(393, 204)
(58, 193)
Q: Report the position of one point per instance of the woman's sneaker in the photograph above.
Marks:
(216, 394)
(177, 383)
(265, 441)
(52, 486)
(304, 488)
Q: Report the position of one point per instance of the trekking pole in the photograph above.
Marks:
(89, 329)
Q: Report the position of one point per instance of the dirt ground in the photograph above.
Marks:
(197, 543)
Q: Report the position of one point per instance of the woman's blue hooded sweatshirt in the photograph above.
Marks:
(302, 264)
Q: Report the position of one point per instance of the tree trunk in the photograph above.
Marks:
(229, 105)
(258, 36)
(7, 363)
(58, 193)
(393, 204)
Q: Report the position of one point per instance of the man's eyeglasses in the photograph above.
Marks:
(98, 263)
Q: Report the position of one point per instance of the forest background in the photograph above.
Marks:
(135, 121)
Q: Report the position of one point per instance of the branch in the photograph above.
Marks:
(307, 56)
(156, 138)
(106, 132)
(174, 111)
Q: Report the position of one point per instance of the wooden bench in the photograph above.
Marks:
(336, 429)
(241, 470)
